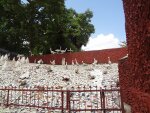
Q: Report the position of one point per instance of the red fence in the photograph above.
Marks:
(86, 56)
(73, 100)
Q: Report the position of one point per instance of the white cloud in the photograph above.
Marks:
(101, 42)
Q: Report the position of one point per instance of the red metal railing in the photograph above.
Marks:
(71, 100)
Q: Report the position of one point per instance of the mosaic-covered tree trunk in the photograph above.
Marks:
(135, 70)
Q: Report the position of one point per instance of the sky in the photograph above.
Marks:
(108, 20)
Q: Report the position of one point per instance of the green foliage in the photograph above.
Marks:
(42, 24)
(123, 44)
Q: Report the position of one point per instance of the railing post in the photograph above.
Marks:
(7, 104)
(103, 100)
(62, 100)
(68, 100)
(121, 99)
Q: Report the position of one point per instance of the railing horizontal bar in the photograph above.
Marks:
(94, 90)
(36, 106)
(104, 90)
(96, 109)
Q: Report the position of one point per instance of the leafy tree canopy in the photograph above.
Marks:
(42, 24)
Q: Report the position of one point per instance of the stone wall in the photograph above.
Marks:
(86, 56)
(134, 71)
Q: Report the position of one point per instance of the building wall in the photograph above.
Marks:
(86, 56)
(134, 71)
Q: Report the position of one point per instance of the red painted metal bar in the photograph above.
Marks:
(85, 101)
(7, 104)
(68, 101)
(47, 97)
(25, 89)
(101, 100)
(97, 110)
(62, 102)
